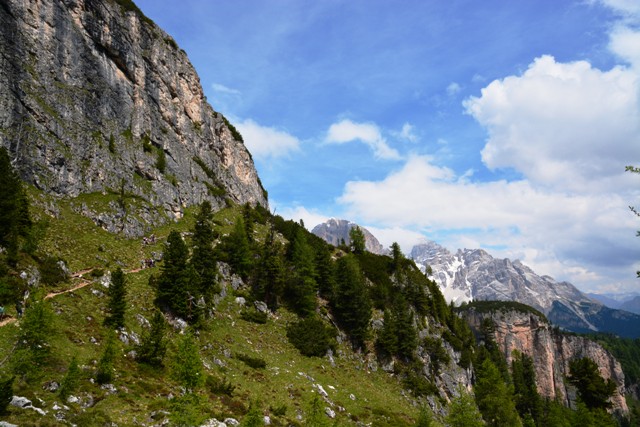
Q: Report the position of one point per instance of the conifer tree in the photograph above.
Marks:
(174, 285)
(153, 345)
(593, 390)
(36, 330)
(117, 300)
(463, 411)
(325, 272)
(6, 393)
(356, 240)
(203, 258)
(352, 304)
(388, 336)
(301, 287)
(70, 381)
(269, 277)
(187, 366)
(495, 398)
(405, 329)
(237, 251)
(14, 207)
(106, 364)
(526, 395)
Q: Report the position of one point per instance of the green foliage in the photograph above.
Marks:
(146, 143)
(203, 258)
(593, 390)
(254, 417)
(117, 304)
(161, 161)
(187, 365)
(153, 344)
(626, 351)
(6, 393)
(106, 364)
(398, 336)
(502, 306)
(235, 249)
(437, 353)
(219, 386)
(356, 240)
(175, 286)
(523, 374)
(414, 380)
(253, 315)
(463, 412)
(234, 131)
(33, 348)
(352, 306)
(70, 381)
(425, 418)
(187, 411)
(112, 144)
(311, 336)
(14, 207)
(494, 397)
(92, 417)
(51, 272)
(269, 276)
(252, 362)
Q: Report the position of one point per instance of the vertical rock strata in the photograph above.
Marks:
(94, 97)
(551, 352)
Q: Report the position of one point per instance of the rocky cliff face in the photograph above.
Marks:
(95, 98)
(551, 352)
(335, 230)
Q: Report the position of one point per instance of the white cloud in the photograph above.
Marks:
(571, 233)
(311, 218)
(368, 133)
(266, 142)
(453, 89)
(563, 125)
(220, 88)
(407, 133)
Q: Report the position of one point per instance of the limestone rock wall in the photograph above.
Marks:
(92, 93)
(551, 352)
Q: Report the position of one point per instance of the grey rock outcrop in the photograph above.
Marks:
(334, 231)
(551, 352)
(95, 97)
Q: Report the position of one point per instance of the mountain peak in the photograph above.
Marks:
(334, 231)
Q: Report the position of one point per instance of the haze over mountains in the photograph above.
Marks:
(473, 274)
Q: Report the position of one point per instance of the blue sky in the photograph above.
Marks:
(504, 125)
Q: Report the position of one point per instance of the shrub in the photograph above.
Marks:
(70, 380)
(252, 362)
(253, 315)
(219, 386)
(51, 271)
(311, 337)
(6, 394)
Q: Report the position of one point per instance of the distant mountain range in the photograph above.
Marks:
(628, 302)
(473, 274)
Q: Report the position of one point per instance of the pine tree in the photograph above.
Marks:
(495, 398)
(70, 381)
(352, 304)
(254, 417)
(187, 366)
(325, 272)
(301, 287)
(388, 336)
(153, 345)
(405, 329)
(237, 251)
(203, 258)
(174, 284)
(593, 390)
(14, 207)
(117, 304)
(463, 411)
(106, 364)
(36, 329)
(526, 395)
(356, 240)
(6, 393)
(269, 277)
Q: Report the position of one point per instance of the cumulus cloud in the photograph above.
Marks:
(407, 133)
(311, 218)
(266, 142)
(516, 215)
(368, 133)
(562, 124)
